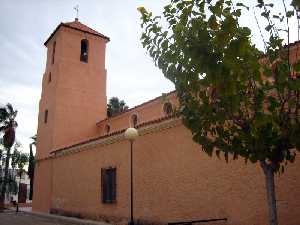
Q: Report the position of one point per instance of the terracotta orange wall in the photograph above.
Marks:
(76, 95)
(173, 181)
(42, 186)
(47, 101)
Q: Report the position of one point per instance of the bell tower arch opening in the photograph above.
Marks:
(84, 53)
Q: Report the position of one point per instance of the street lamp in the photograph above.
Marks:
(131, 134)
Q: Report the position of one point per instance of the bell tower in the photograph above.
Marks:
(73, 95)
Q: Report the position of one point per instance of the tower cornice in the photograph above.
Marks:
(76, 25)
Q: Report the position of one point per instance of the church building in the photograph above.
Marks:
(83, 160)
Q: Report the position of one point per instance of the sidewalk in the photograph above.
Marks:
(21, 209)
(25, 216)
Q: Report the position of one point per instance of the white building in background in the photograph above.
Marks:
(22, 187)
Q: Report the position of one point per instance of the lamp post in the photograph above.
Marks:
(131, 134)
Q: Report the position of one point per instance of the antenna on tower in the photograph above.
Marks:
(76, 8)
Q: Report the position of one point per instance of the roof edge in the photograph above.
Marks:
(134, 107)
(52, 34)
(68, 26)
(151, 122)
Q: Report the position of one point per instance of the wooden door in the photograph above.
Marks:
(22, 193)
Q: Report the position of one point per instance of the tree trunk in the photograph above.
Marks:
(31, 171)
(19, 187)
(271, 198)
(31, 189)
(5, 179)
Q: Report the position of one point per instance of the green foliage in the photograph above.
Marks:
(234, 98)
(11, 184)
(19, 159)
(3, 114)
(115, 106)
(7, 128)
(296, 4)
(8, 125)
(31, 159)
(34, 139)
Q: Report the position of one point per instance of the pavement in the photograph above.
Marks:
(22, 209)
(10, 217)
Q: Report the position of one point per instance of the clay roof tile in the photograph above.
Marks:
(76, 25)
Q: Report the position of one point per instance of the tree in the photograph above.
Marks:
(11, 186)
(235, 99)
(19, 159)
(31, 166)
(115, 106)
(7, 126)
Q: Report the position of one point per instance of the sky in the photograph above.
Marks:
(131, 73)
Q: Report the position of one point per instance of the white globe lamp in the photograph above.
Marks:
(131, 134)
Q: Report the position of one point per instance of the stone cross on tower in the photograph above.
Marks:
(76, 8)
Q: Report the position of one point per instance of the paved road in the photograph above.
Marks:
(11, 218)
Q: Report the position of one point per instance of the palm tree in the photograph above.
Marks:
(3, 116)
(31, 166)
(115, 106)
(7, 126)
(3, 113)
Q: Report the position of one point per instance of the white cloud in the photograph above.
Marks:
(25, 100)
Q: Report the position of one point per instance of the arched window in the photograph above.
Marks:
(167, 108)
(107, 128)
(134, 120)
(84, 50)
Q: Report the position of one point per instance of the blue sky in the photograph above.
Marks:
(131, 74)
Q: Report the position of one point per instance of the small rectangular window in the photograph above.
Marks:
(49, 78)
(108, 185)
(53, 51)
(46, 116)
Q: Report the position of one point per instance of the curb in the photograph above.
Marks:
(64, 218)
